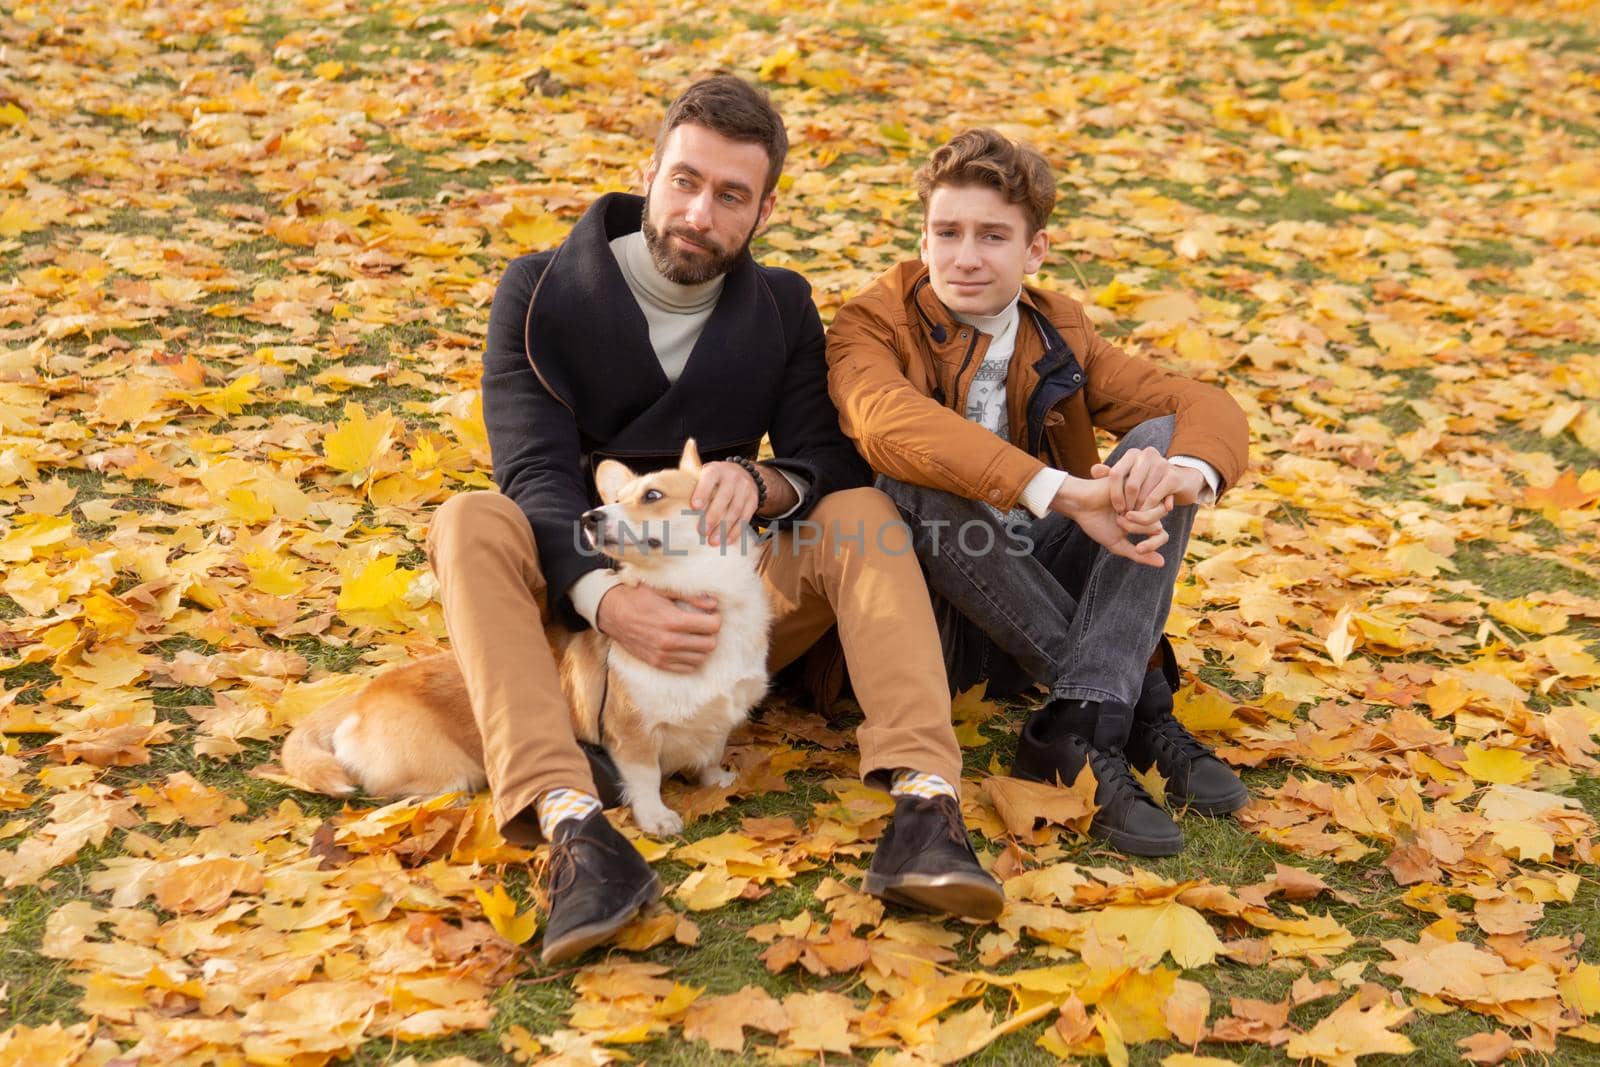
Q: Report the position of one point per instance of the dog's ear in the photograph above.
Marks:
(609, 478)
(690, 460)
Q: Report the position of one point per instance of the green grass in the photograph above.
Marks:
(1505, 575)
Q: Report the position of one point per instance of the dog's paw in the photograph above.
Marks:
(717, 777)
(658, 821)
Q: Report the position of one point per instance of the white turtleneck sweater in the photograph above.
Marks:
(676, 315)
(986, 406)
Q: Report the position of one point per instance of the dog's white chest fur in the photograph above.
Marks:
(687, 717)
(693, 709)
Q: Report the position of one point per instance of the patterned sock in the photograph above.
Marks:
(556, 806)
(919, 784)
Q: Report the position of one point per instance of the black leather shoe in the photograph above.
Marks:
(598, 883)
(925, 861)
(1129, 818)
(1196, 778)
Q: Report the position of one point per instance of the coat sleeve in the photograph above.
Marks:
(1123, 391)
(533, 440)
(906, 434)
(806, 439)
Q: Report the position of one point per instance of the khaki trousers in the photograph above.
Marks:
(850, 563)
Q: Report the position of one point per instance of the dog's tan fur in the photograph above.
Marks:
(411, 730)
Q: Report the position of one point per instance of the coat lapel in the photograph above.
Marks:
(586, 336)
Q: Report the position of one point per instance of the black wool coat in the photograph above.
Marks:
(570, 379)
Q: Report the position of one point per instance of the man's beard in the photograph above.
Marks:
(681, 269)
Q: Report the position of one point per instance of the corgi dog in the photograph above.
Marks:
(411, 730)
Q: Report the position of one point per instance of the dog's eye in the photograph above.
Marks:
(652, 495)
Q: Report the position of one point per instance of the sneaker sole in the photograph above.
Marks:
(1136, 844)
(1226, 804)
(582, 938)
(950, 894)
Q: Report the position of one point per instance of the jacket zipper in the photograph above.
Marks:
(972, 346)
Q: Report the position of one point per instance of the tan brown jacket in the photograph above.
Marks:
(900, 365)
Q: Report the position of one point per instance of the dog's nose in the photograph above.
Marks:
(590, 518)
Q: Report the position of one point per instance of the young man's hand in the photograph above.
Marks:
(1144, 486)
(1087, 502)
(657, 630)
(728, 495)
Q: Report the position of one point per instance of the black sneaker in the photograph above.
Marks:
(1196, 778)
(1129, 818)
(598, 883)
(925, 861)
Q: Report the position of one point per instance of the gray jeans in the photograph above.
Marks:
(1039, 601)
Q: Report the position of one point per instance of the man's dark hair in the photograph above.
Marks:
(738, 111)
(983, 157)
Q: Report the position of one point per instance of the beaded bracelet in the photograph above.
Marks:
(761, 483)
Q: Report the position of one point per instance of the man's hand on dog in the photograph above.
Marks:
(657, 630)
(728, 496)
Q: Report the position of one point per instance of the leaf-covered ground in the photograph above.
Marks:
(246, 256)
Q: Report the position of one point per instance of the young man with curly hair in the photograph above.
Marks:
(976, 398)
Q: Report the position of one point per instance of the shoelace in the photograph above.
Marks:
(1173, 732)
(1111, 770)
(949, 813)
(564, 860)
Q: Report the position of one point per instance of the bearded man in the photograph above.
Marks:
(651, 324)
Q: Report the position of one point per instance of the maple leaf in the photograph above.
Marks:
(1581, 989)
(534, 229)
(375, 593)
(229, 400)
(501, 911)
(357, 445)
(1568, 492)
(720, 1021)
(204, 885)
(1501, 766)
(818, 1022)
(972, 706)
(1157, 929)
(1353, 1030)
(1529, 616)
(1185, 1011)
(1463, 972)
(1487, 1049)
(1201, 708)
(1024, 805)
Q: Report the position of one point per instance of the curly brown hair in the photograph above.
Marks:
(1014, 169)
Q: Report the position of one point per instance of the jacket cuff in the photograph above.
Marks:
(1003, 483)
(803, 476)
